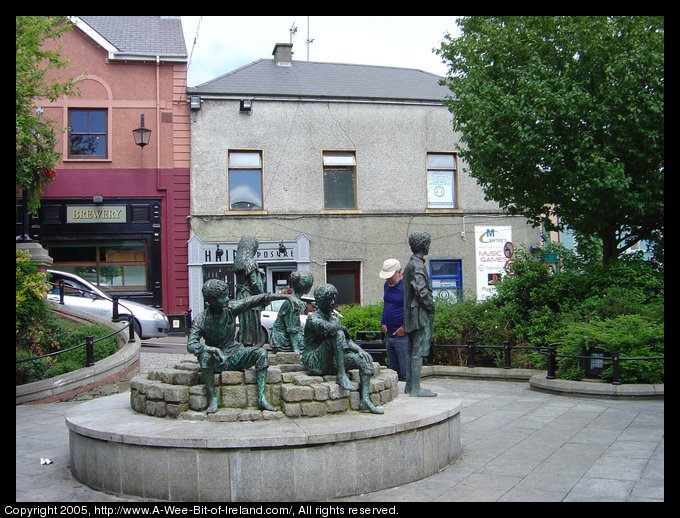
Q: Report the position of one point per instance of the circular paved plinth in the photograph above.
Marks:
(117, 450)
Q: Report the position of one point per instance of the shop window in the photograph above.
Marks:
(245, 180)
(339, 180)
(87, 133)
(118, 265)
(223, 273)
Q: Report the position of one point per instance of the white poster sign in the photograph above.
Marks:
(490, 257)
(440, 190)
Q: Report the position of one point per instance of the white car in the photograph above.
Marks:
(148, 322)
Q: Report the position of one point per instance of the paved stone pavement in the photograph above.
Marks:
(519, 445)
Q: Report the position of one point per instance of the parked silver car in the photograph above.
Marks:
(148, 322)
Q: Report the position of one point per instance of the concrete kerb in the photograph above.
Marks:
(480, 372)
(538, 381)
(595, 389)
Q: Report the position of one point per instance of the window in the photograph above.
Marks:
(87, 133)
(441, 181)
(245, 180)
(339, 180)
(107, 264)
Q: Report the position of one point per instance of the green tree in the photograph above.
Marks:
(564, 115)
(36, 138)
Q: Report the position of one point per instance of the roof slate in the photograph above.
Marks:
(150, 35)
(326, 80)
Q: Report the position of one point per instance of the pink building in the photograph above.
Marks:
(116, 213)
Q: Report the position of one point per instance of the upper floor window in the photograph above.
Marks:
(245, 180)
(441, 181)
(339, 180)
(87, 133)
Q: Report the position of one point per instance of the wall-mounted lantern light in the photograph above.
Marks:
(141, 134)
(195, 102)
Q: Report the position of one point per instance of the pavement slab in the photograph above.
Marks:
(519, 445)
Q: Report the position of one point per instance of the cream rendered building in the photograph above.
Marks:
(331, 167)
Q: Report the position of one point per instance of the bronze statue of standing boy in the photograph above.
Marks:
(418, 310)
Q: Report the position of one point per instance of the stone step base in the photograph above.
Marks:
(178, 392)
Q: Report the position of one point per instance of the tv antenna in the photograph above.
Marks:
(308, 40)
(292, 31)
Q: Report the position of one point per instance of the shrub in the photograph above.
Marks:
(361, 318)
(617, 307)
(54, 334)
(31, 288)
(633, 336)
(27, 372)
(77, 334)
(43, 336)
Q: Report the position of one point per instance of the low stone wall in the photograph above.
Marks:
(179, 393)
(595, 388)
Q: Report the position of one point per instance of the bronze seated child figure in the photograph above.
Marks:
(328, 349)
(219, 351)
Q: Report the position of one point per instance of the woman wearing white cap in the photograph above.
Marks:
(393, 319)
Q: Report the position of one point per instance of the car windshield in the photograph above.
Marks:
(72, 287)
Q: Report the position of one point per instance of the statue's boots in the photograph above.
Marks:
(341, 377)
(416, 390)
(209, 382)
(365, 396)
(262, 402)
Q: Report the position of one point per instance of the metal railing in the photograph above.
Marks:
(89, 340)
(614, 357)
(471, 347)
(373, 343)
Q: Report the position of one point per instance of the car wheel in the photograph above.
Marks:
(138, 328)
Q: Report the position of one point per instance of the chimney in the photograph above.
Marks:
(283, 54)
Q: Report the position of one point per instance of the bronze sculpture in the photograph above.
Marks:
(249, 281)
(328, 348)
(418, 310)
(219, 351)
(287, 331)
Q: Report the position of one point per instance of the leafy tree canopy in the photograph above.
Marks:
(35, 138)
(563, 116)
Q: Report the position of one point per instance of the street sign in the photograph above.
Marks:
(509, 249)
(507, 264)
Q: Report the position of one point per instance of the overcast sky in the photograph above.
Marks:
(225, 43)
